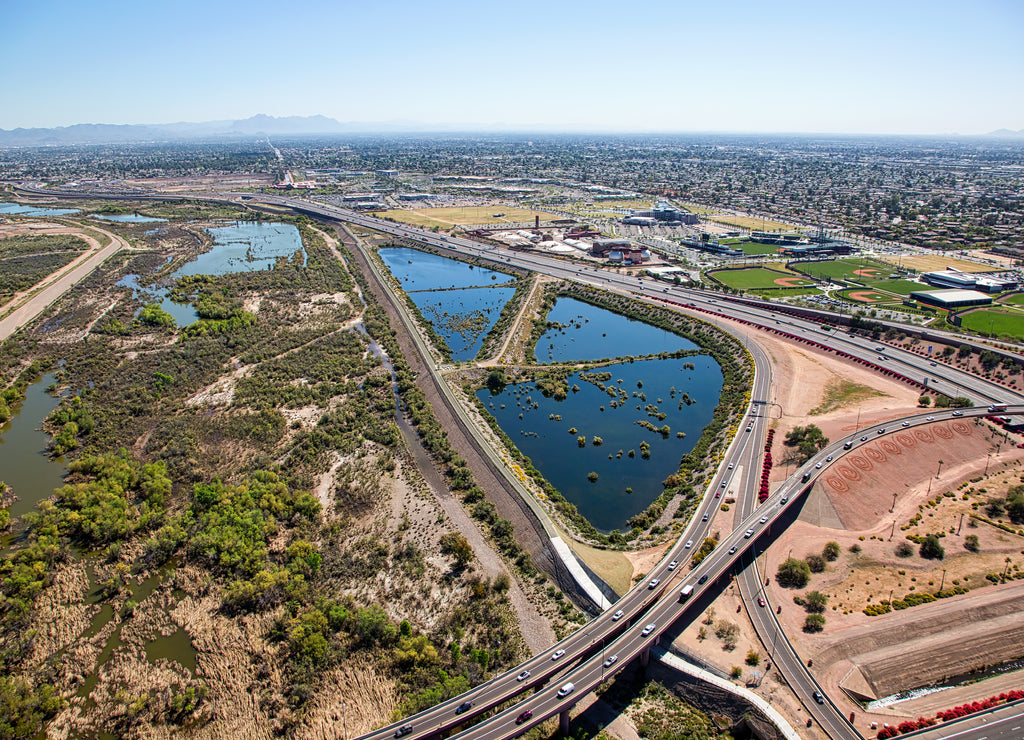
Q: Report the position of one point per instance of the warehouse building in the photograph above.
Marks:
(951, 298)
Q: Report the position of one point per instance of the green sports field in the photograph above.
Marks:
(753, 248)
(847, 269)
(754, 278)
(899, 287)
(995, 322)
(1017, 299)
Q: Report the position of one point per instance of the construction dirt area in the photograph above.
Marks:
(928, 479)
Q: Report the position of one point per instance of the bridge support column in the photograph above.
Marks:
(645, 657)
(563, 722)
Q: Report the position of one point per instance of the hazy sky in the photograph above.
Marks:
(898, 66)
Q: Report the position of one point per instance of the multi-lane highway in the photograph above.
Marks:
(584, 658)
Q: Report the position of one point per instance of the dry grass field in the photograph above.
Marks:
(465, 215)
(932, 262)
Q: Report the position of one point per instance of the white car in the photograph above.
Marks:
(566, 690)
(523, 676)
(611, 661)
(689, 544)
(557, 654)
(617, 615)
(673, 565)
(648, 629)
(764, 520)
(654, 583)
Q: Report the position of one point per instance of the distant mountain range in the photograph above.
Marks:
(106, 133)
(1005, 133)
(109, 133)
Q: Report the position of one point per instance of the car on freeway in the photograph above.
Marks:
(648, 629)
(818, 466)
(882, 430)
(732, 550)
(718, 494)
(931, 418)
(463, 707)
(933, 364)
(617, 615)
(403, 730)
(828, 459)
(704, 518)
(958, 413)
(523, 676)
(818, 697)
(654, 583)
(523, 716)
(760, 602)
(748, 534)
(732, 465)
(689, 544)
(702, 579)
(723, 484)
(864, 438)
(557, 654)
(764, 519)
(673, 565)
(784, 499)
(566, 690)
(611, 661)
(750, 428)
(906, 423)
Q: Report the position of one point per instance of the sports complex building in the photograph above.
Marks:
(952, 298)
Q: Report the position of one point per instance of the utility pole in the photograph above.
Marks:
(893, 507)
(893, 532)
(943, 581)
(961, 524)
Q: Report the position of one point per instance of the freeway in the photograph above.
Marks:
(583, 658)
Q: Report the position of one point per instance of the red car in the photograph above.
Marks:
(523, 717)
(760, 602)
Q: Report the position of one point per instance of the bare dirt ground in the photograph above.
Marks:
(30, 303)
(852, 507)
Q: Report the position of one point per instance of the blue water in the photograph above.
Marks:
(418, 270)
(183, 313)
(16, 209)
(129, 218)
(461, 302)
(595, 334)
(555, 452)
(452, 314)
(245, 246)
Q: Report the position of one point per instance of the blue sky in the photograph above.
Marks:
(856, 67)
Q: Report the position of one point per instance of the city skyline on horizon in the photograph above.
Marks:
(792, 68)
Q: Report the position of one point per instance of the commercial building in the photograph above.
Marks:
(957, 279)
(952, 298)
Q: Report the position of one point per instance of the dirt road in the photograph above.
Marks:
(29, 304)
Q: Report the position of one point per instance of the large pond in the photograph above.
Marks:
(593, 334)
(646, 391)
(23, 463)
(245, 246)
(16, 209)
(240, 247)
(461, 301)
(128, 218)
